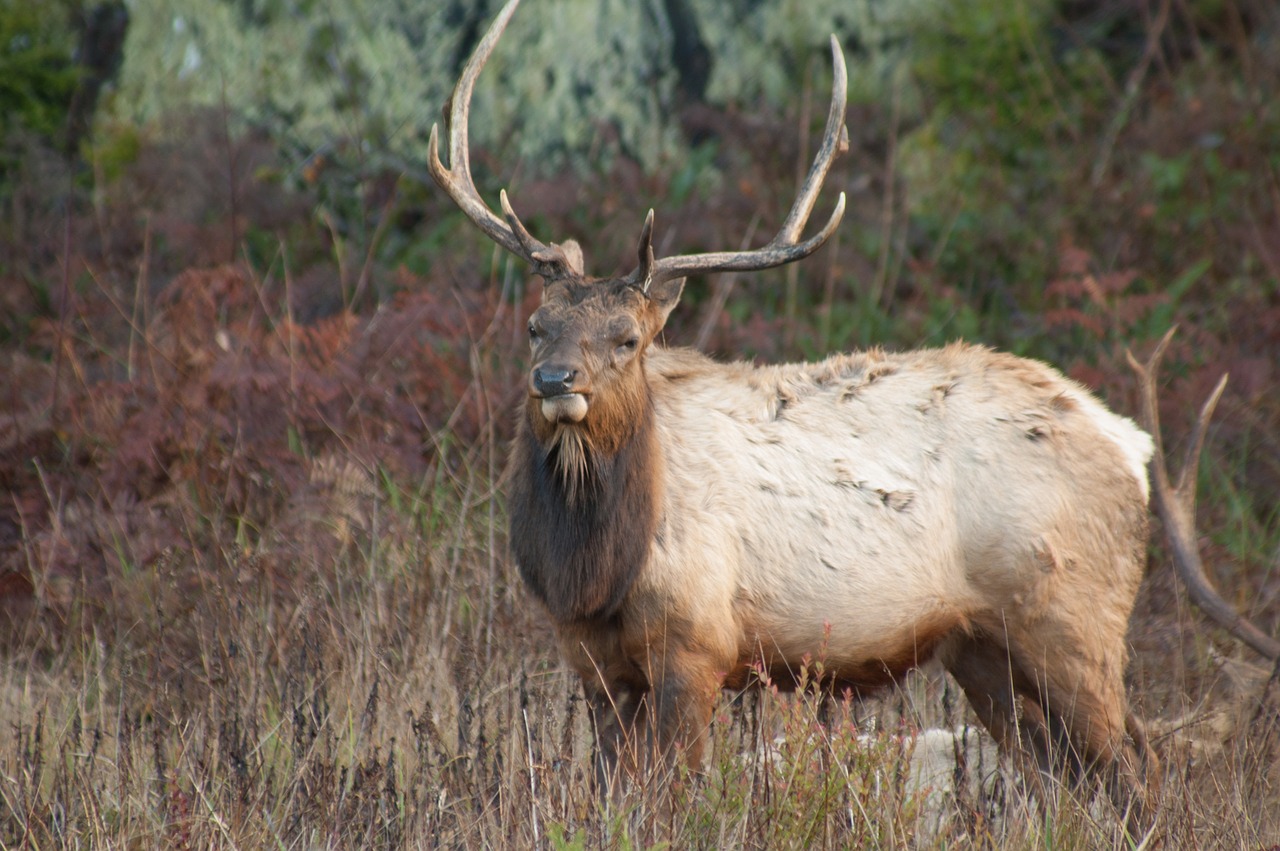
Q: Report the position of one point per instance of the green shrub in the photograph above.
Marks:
(37, 75)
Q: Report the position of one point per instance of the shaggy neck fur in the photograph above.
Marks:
(570, 456)
(584, 508)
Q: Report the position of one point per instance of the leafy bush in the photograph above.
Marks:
(37, 75)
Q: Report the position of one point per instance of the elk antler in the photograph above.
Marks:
(547, 260)
(550, 261)
(1176, 505)
(783, 248)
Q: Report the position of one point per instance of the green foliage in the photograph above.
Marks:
(1175, 178)
(992, 62)
(765, 50)
(572, 79)
(1004, 108)
(115, 148)
(37, 76)
(322, 75)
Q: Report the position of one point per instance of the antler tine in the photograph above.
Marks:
(456, 180)
(644, 272)
(835, 140)
(1177, 508)
(784, 247)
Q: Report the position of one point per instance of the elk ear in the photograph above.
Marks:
(573, 259)
(663, 297)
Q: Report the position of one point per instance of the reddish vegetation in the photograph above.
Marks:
(212, 415)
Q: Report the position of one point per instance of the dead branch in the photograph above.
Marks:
(1176, 507)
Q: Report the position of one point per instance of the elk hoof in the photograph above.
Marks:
(567, 408)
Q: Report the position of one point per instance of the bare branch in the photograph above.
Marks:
(1191, 463)
(1176, 507)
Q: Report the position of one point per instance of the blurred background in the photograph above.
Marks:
(256, 371)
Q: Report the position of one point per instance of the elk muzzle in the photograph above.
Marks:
(561, 403)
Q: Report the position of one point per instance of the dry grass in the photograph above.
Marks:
(407, 706)
(361, 669)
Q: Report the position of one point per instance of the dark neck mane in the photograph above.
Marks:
(583, 520)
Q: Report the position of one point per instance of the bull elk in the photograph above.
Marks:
(690, 524)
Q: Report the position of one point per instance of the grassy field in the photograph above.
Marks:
(254, 585)
(401, 693)
(360, 668)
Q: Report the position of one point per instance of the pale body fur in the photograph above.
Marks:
(870, 493)
(872, 508)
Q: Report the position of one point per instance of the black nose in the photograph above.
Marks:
(552, 381)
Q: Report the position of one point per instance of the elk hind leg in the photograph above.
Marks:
(1106, 743)
(1063, 718)
(999, 694)
(1093, 734)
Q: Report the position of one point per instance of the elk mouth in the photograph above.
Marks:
(564, 408)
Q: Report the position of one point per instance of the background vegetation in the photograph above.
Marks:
(257, 377)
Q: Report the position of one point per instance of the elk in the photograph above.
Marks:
(691, 526)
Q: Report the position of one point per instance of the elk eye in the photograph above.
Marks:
(533, 333)
(628, 346)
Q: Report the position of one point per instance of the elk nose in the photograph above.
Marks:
(550, 381)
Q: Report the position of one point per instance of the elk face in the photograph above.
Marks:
(588, 340)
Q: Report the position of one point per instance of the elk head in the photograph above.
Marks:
(589, 336)
(588, 339)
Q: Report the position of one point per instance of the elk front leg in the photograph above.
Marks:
(618, 721)
(681, 700)
(616, 691)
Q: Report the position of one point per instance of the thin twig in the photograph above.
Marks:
(1132, 88)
